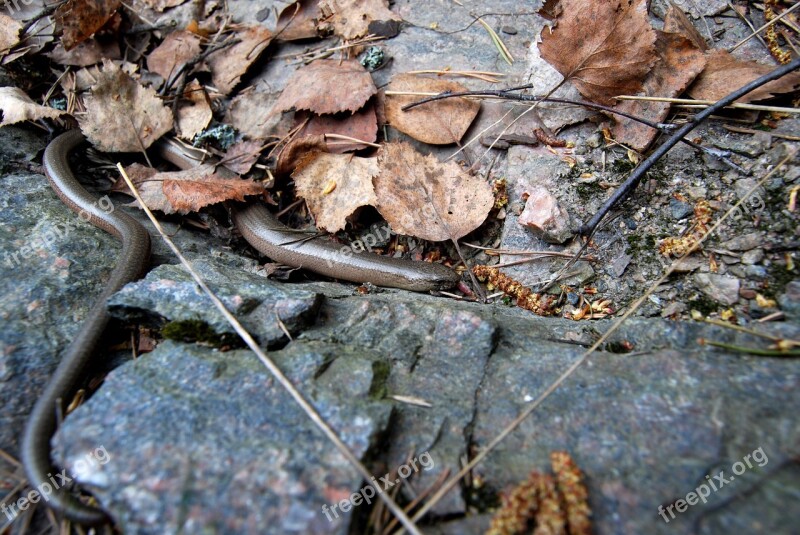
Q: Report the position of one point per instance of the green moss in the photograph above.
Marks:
(622, 165)
(588, 190)
(380, 376)
(777, 279)
(197, 331)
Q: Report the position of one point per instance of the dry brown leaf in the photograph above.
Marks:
(176, 49)
(161, 5)
(89, 52)
(724, 74)
(351, 19)
(335, 186)
(327, 86)
(230, 63)
(680, 63)
(80, 19)
(437, 123)
(422, 197)
(241, 156)
(121, 115)
(16, 106)
(362, 125)
(185, 191)
(676, 21)
(296, 150)
(605, 48)
(9, 33)
(298, 21)
(250, 113)
(194, 112)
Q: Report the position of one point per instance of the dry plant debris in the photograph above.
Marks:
(546, 505)
(194, 111)
(680, 247)
(176, 49)
(79, 20)
(351, 19)
(230, 63)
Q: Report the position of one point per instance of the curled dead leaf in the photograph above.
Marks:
(725, 73)
(327, 86)
(604, 48)
(186, 191)
(121, 115)
(335, 186)
(80, 19)
(16, 106)
(422, 197)
(230, 63)
(438, 123)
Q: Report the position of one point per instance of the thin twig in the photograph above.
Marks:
(633, 180)
(705, 103)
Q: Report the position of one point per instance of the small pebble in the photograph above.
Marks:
(747, 293)
(753, 256)
(756, 272)
(680, 209)
(510, 30)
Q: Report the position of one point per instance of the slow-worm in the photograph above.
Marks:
(257, 225)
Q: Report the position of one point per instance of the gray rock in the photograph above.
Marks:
(198, 440)
(756, 272)
(753, 256)
(744, 242)
(680, 209)
(720, 288)
(789, 300)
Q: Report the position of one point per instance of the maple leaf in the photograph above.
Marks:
(422, 197)
(80, 19)
(121, 115)
(335, 186)
(725, 73)
(437, 123)
(16, 106)
(680, 63)
(327, 86)
(229, 64)
(605, 47)
(185, 191)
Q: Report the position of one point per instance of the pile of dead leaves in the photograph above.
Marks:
(607, 49)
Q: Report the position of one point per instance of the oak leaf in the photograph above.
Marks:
(327, 86)
(335, 186)
(230, 63)
(121, 115)
(80, 19)
(185, 191)
(422, 197)
(605, 47)
(724, 74)
(680, 63)
(16, 106)
(438, 123)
